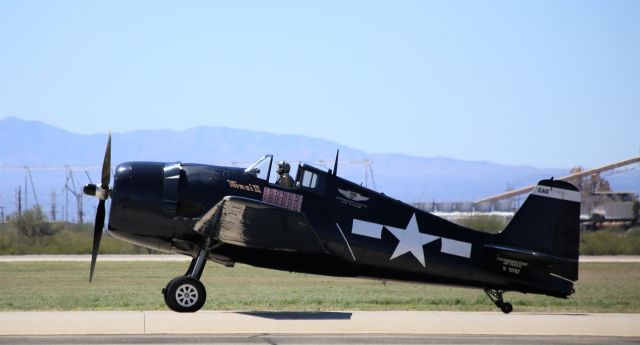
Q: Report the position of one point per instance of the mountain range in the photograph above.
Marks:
(408, 178)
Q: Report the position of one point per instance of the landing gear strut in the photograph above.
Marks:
(186, 294)
(496, 297)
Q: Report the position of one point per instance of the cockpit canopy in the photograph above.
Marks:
(261, 168)
(309, 176)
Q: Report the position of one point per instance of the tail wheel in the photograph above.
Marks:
(496, 296)
(506, 308)
(185, 294)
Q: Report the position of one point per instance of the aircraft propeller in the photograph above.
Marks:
(102, 193)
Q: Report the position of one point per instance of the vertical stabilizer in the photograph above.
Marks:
(548, 223)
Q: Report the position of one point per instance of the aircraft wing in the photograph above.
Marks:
(251, 223)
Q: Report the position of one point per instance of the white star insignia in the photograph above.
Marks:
(411, 240)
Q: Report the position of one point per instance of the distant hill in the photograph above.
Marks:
(408, 178)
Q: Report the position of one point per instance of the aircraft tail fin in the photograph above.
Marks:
(548, 226)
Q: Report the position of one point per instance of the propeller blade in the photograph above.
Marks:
(106, 165)
(100, 212)
(97, 235)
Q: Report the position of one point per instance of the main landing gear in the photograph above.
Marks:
(496, 297)
(186, 294)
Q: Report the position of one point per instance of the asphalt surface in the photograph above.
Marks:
(308, 339)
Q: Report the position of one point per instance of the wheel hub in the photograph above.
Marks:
(186, 295)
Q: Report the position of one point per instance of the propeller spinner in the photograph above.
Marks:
(102, 193)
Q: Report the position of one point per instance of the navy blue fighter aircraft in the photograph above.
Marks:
(323, 224)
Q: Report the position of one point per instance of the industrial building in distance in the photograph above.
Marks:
(600, 205)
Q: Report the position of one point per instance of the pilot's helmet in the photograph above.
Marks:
(283, 167)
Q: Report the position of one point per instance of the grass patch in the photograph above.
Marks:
(136, 286)
(606, 241)
(490, 224)
(612, 241)
(64, 238)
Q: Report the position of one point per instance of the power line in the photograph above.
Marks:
(50, 167)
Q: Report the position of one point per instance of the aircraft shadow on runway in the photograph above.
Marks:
(299, 315)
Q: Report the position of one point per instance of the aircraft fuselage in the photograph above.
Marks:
(337, 228)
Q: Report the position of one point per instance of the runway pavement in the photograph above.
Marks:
(307, 339)
(171, 257)
(357, 322)
(389, 327)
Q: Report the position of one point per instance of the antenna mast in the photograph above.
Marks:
(335, 165)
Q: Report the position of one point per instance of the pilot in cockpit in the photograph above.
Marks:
(284, 179)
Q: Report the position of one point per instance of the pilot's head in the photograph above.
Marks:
(283, 167)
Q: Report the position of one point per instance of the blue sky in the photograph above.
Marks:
(546, 83)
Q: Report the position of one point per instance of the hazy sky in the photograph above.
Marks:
(547, 83)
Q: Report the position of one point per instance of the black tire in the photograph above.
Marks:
(506, 308)
(185, 294)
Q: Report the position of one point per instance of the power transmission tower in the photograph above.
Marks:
(368, 174)
(33, 187)
(77, 195)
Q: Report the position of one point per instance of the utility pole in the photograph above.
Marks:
(80, 210)
(26, 190)
(66, 195)
(19, 200)
(78, 198)
(53, 206)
